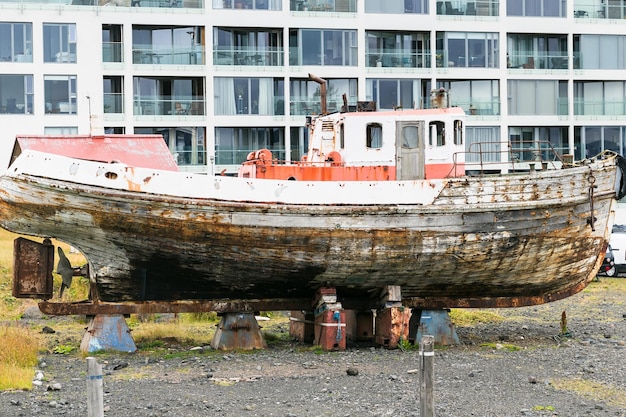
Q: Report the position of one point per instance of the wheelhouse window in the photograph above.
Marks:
(60, 94)
(410, 137)
(16, 42)
(374, 136)
(59, 42)
(458, 132)
(323, 47)
(16, 94)
(437, 133)
(262, 96)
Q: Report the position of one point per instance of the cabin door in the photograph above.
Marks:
(410, 150)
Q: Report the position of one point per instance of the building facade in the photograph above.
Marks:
(223, 78)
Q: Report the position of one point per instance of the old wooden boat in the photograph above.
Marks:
(381, 199)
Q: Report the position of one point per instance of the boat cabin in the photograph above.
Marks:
(373, 146)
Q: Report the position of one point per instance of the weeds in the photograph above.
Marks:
(19, 347)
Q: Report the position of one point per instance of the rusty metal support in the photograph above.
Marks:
(438, 324)
(238, 331)
(330, 320)
(107, 332)
(392, 318)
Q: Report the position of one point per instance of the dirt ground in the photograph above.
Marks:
(522, 366)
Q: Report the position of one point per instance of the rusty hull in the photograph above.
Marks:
(492, 241)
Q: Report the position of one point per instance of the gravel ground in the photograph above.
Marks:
(548, 375)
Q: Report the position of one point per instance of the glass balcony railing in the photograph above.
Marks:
(185, 4)
(333, 6)
(532, 60)
(112, 51)
(584, 107)
(181, 106)
(113, 102)
(272, 57)
(400, 59)
(171, 56)
(307, 106)
(468, 8)
(477, 107)
(600, 9)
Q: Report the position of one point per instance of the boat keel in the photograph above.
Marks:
(238, 331)
(107, 332)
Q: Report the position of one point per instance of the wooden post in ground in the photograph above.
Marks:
(427, 356)
(95, 401)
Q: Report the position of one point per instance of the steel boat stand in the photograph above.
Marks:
(238, 331)
(107, 332)
(436, 323)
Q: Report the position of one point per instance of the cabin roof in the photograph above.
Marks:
(148, 151)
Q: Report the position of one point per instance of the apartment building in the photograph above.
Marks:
(223, 78)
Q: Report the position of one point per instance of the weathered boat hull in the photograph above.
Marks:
(150, 235)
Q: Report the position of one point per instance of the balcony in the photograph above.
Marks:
(112, 51)
(307, 106)
(113, 102)
(145, 54)
(536, 60)
(599, 9)
(272, 57)
(468, 8)
(478, 107)
(400, 59)
(595, 107)
(330, 6)
(181, 106)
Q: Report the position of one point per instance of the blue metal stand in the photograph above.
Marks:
(436, 323)
(108, 332)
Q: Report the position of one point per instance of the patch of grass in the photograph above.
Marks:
(472, 317)
(592, 390)
(199, 333)
(501, 346)
(19, 347)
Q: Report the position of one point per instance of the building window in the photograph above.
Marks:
(341, 6)
(16, 42)
(467, 49)
(374, 136)
(60, 94)
(238, 46)
(600, 98)
(392, 94)
(263, 96)
(16, 94)
(595, 139)
(548, 8)
(168, 96)
(483, 144)
(248, 4)
(305, 95)
(60, 130)
(167, 45)
(396, 6)
(529, 144)
(532, 51)
(113, 88)
(114, 130)
(187, 144)
(397, 49)
(323, 47)
(599, 52)
(59, 42)
(112, 43)
(537, 97)
(233, 144)
(468, 7)
(475, 97)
